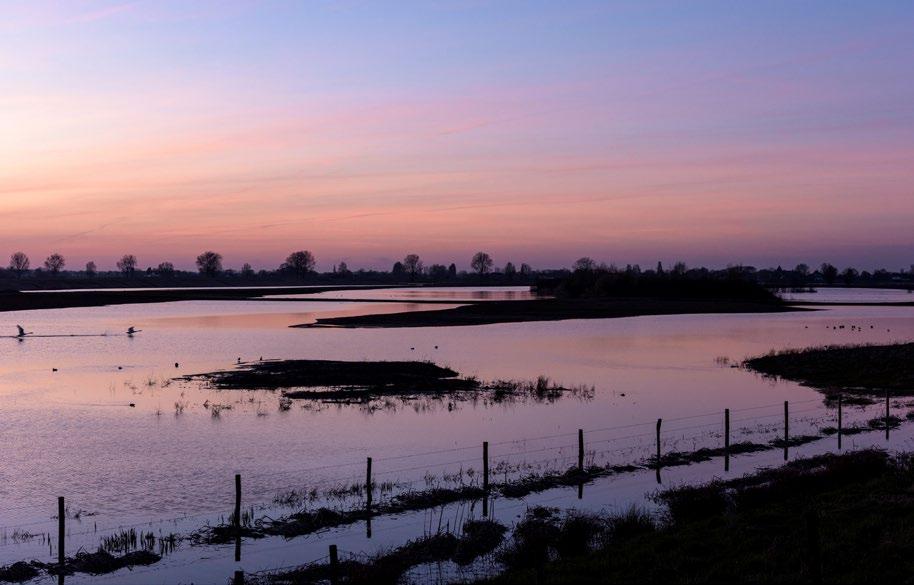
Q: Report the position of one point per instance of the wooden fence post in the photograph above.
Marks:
(368, 487)
(485, 479)
(839, 421)
(236, 521)
(786, 429)
(659, 422)
(334, 565)
(726, 439)
(581, 450)
(887, 415)
(61, 533)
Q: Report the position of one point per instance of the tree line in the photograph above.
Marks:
(301, 264)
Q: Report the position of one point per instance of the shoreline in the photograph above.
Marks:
(494, 312)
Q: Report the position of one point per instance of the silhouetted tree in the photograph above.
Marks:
(413, 265)
(679, 269)
(510, 271)
(452, 271)
(802, 270)
(584, 264)
(849, 275)
(127, 264)
(343, 269)
(659, 267)
(398, 269)
(54, 263)
(91, 269)
(209, 263)
(438, 272)
(19, 263)
(247, 271)
(829, 273)
(165, 269)
(525, 269)
(481, 263)
(301, 262)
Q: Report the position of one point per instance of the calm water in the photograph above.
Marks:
(72, 432)
(445, 293)
(853, 295)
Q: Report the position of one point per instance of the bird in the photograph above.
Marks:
(22, 332)
(131, 330)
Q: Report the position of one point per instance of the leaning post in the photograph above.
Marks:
(726, 439)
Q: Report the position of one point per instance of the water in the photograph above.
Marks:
(852, 295)
(73, 432)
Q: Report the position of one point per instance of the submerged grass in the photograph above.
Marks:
(364, 382)
(854, 369)
(478, 538)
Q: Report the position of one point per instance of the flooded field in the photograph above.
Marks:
(104, 421)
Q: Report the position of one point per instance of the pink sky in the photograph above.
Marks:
(631, 133)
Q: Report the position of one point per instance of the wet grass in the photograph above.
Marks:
(844, 517)
(852, 369)
(366, 381)
(478, 538)
(102, 562)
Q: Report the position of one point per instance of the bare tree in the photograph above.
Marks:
(510, 271)
(481, 263)
(209, 263)
(91, 269)
(584, 264)
(54, 263)
(165, 269)
(19, 263)
(301, 262)
(412, 265)
(343, 269)
(127, 264)
(525, 269)
(680, 268)
(247, 271)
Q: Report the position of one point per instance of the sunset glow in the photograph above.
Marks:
(628, 131)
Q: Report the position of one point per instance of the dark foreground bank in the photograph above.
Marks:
(855, 369)
(551, 310)
(828, 519)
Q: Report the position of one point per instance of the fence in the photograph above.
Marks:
(662, 455)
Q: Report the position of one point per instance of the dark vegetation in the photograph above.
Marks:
(833, 518)
(478, 538)
(331, 380)
(856, 369)
(680, 285)
(593, 292)
(97, 563)
(551, 310)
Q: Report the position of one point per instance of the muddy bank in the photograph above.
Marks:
(550, 310)
(335, 380)
(854, 369)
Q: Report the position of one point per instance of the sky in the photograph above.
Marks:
(760, 133)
